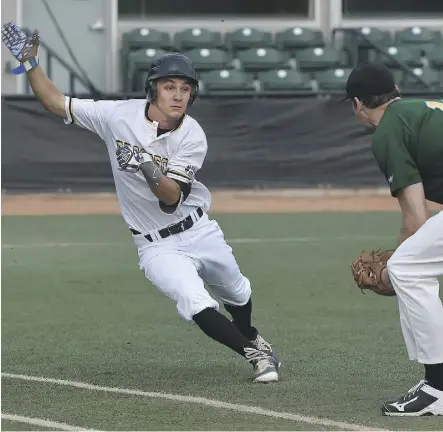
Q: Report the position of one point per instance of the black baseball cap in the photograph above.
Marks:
(369, 79)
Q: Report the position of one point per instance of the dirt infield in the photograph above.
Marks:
(238, 201)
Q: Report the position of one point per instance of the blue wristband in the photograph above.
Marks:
(29, 64)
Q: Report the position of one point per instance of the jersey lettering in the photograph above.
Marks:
(435, 105)
(161, 162)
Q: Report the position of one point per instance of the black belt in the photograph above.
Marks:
(177, 228)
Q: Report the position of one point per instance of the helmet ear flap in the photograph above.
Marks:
(151, 90)
(194, 93)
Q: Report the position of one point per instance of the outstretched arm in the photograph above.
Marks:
(46, 92)
(25, 50)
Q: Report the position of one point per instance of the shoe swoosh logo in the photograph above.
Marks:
(401, 406)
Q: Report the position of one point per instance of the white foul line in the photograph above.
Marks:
(198, 400)
(44, 423)
(252, 240)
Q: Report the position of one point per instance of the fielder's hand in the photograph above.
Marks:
(129, 160)
(24, 48)
(367, 271)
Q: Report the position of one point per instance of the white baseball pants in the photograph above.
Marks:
(413, 270)
(181, 264)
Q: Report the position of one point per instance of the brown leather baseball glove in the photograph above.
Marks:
(367, 269)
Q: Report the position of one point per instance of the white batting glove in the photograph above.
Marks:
(21, 46)
(129, 160)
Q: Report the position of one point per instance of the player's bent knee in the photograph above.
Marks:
(190, 305)
(238, 294)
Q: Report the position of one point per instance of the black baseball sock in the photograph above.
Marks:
(218, 327)
(434, 375)
(241, 316)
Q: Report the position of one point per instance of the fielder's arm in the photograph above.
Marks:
(414, 209)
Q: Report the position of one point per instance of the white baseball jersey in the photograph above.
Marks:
(180, 154)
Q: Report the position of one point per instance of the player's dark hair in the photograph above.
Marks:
(372, 102)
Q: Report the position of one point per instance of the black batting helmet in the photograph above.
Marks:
(171, 65)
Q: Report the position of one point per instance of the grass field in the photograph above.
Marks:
(75, 307)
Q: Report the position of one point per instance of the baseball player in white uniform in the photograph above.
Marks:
(155, 150)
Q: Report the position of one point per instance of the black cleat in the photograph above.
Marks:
(420, 400)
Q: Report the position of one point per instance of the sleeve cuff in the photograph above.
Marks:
(179, 175)
(68, 110)
(395, 192)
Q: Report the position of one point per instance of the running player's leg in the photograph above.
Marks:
(175, 275)
(221, 272)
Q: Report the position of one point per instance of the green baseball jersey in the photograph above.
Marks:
(408, 146)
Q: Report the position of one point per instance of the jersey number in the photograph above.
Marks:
(435, 105)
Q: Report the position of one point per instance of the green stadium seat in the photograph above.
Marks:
(417, 35)
(141, 38)
(430, 77)
(319, 58)
(260, 59)
(435, 57)
(205, 59)
(367, 36)
(197, 38)
(226, 80)
(297, 38)
(406, 55)
(283, 80)
(139, 61)
(244, 38)
(332, 79)
(359, 43)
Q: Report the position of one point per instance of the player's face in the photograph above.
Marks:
(362, 115)
(172, 97)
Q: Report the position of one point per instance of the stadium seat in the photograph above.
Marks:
(435, 57)
(297, 38)
(367, 36)
(394, 54)
(360, 43)
(319, 58)
(244, 38)
(421, 38)
(332, 79)
(141, 38)
(417, 35)
(430, 77)
(283, 80)
(260, 59)
(226, 80)
(206, 59)
(146, 38)
(139, 61)
(197, 38)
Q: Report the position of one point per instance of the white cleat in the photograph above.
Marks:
(265, 367)
(261, 344)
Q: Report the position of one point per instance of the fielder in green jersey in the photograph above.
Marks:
(407, 144)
